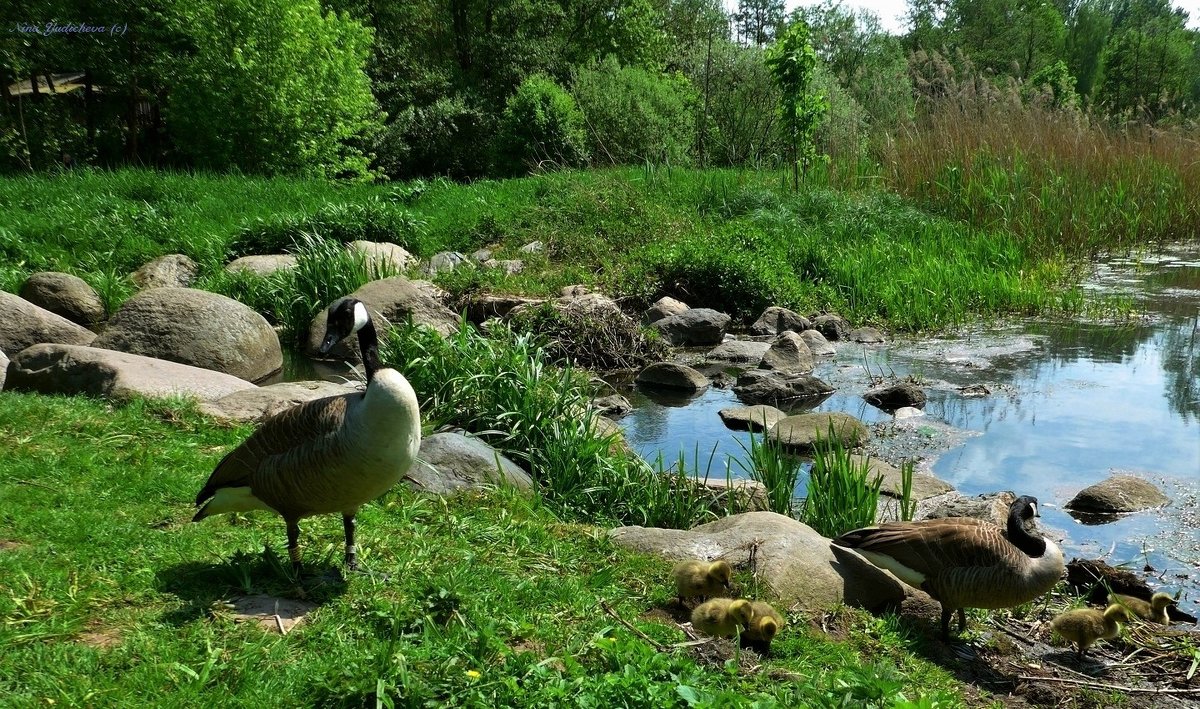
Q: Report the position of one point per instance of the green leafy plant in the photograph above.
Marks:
(541, 126)
(842, 495)
(792, 62)
(768, 463)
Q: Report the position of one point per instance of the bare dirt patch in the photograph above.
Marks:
(272, 614)
(99, 637)
(10, 545)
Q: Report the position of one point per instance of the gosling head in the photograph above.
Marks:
(741, 611)
(721, 571)
(1117, 612)
(767, 628)
(1160, 600)
(345, 317)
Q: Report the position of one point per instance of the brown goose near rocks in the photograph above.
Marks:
(964, 562)
(328, 455)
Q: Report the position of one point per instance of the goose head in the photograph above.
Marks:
(345, 317)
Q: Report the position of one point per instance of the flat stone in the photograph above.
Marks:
(1118, 493)
(775, 320)
(671, 375)
(762, 386)
(751, 418)
(801, 432)
(533, 247)
(738, 352)
(694, 326)
(865, 335)
(447, 261)
(451, 462)
(74, 369)
(272, 614)
(907, 412)
(788, 353)
(664, 307)
(262, 265)
(66, 295)
(258, 404)
(23, 324)
(794, 563)
(170, 271)
(924, 485)
(817, 344)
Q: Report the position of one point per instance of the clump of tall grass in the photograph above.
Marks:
(768, 463)
(591, 338)
(1061, 179)
(501, 386)
(374, 219)
(842, 495)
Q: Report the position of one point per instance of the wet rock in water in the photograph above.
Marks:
(613, 405)
(197, 328)
(171, 271)
(765, 386)
(924, 485)
(671, 375)
(751, 418)
(262, 264)
(788, 353)
(258, 404)
(797, 565)
(802, 431)
(694, 326)
(447, 261)
(382, 255)
(738, 352)
(865, 335)
(896, 396)
(990, 507)
(775, 320)
(65, 295)
(817, 344)
(451, 462)
(664, 307)
(974, 390)
(832, 326)
(1119, 493)
(907, 412)
(722, 380)
(23, 324)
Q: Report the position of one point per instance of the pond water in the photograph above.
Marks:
(1070, 403)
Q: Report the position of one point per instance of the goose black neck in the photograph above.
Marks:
(1032, 546)
(368, 345)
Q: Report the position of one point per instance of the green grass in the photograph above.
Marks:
(493, 599)
(841, 493)
(719, 238)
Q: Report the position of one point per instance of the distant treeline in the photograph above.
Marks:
(477, 88)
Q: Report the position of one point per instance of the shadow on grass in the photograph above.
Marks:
(201, 584)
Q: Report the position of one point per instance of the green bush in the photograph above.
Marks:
(372, 220)
(448, 137)
(636, 116)
(541, 125)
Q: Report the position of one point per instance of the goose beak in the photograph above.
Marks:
(327, 344)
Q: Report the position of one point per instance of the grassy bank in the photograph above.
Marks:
(638, 234)
(111, 596)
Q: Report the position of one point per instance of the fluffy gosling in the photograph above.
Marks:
(698, 579)
(722, 617)
(764, 625)
(1084, 626)
(1155, 611)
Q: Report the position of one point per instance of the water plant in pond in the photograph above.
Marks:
(768, 463)
(841, 494)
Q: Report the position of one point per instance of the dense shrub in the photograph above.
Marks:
(372, 220)
(636, 116)
(448, 137)
(541, 125)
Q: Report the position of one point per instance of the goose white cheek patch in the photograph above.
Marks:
(361, 318)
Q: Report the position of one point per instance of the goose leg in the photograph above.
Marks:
(946, 613)
(962, 620)
(293, 532)
(350, 524)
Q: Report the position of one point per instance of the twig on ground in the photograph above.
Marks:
(1103, 685)
(657, 645)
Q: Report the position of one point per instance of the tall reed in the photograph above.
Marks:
(841, 493)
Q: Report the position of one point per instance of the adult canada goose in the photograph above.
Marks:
(722, 617)
(964, 562)
(327, 455)
(1084, 626)
(697, 579)
(1155, 611)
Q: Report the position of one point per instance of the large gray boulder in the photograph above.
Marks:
(745, 352)
(896, 396)
(170, 271)
(832, 326)
(389, 301)
(65, 295)
(788, 353)
(801, 432)
(1119, 493)
(260, 403)
(694, 326)
(763, 386)
(197, 328)
(797, 565)
(751, 418)
(664, 307)
(451, 462)
(381, 255)
(261, 264)
(73, 369)
(23, 324)
(817, 344)
(671, 375)
(775, 320)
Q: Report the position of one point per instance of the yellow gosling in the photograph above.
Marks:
(765, 623)
(722, 617)
(1084, 626)
(1155, 611)
(699, 579)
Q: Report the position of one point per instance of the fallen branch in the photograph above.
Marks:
(657, 645)
(1102, 685)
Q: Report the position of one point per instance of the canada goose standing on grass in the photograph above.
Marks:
(697, 579)
(722, 617)
(1084, 626)
(964, 562)
(1155, 611)
(328, 455)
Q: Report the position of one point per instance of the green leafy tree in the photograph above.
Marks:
(759, 20)
(541, 126)
(792, 62)
(1087, 33)
(274, 87)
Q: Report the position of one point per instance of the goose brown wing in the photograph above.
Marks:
(934, 546)
(301, 426)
